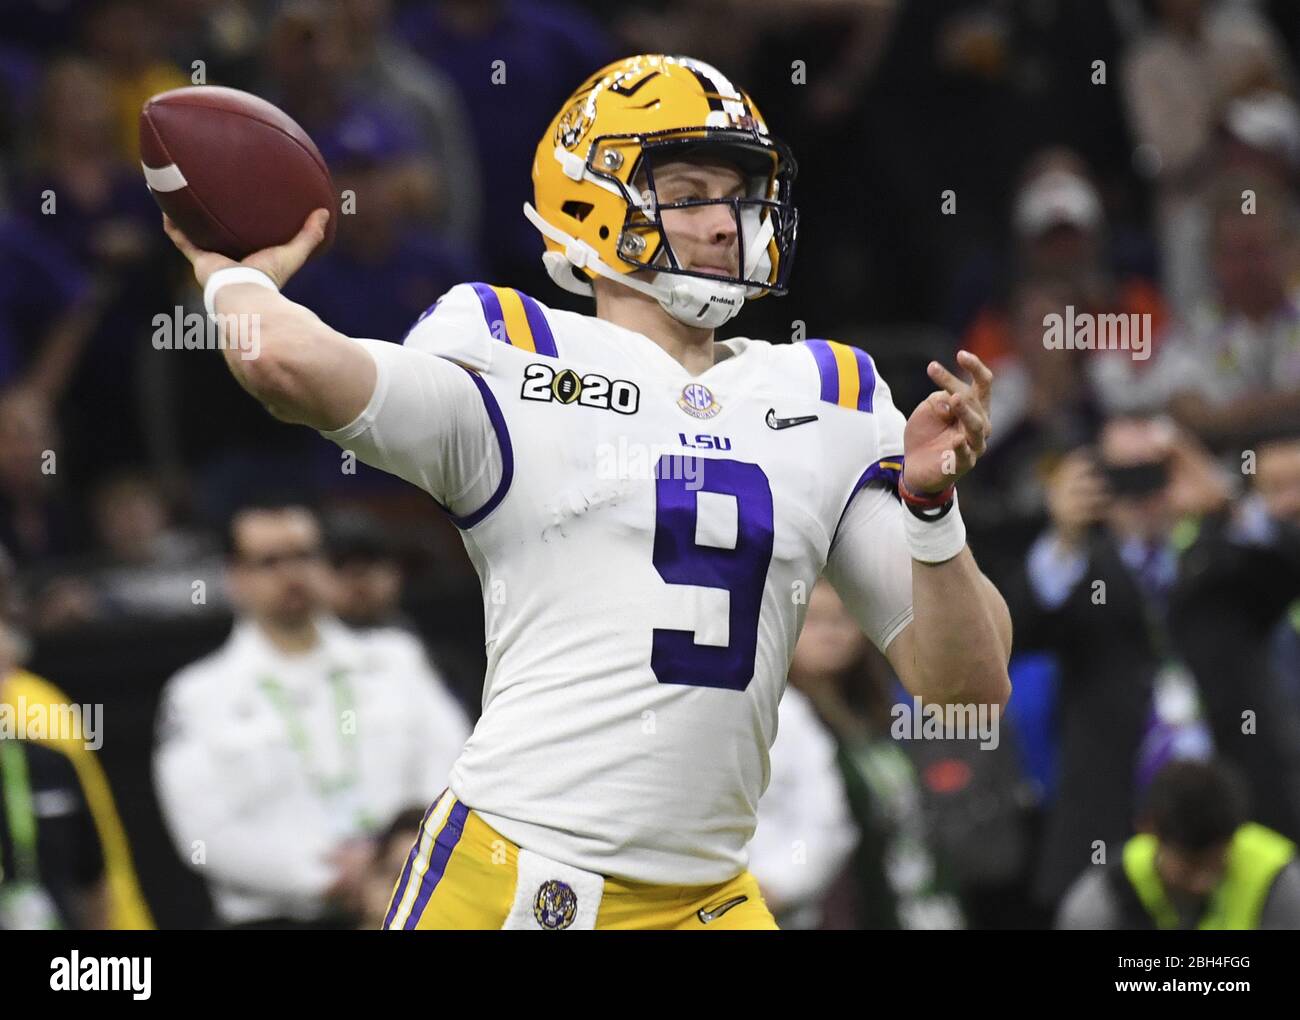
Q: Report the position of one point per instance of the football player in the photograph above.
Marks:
(647, 508)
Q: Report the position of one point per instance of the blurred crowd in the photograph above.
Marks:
(1027, 180)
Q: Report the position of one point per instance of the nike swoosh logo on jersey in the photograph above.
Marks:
(706, 916)
(773, 422)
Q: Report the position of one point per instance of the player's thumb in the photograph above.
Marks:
(283, 261)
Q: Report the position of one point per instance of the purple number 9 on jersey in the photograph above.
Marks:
(675, 656)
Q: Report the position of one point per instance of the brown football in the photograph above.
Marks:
(235, 173)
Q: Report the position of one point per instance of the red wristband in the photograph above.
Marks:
(932, 502)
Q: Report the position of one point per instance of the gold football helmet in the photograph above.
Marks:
(593, 184)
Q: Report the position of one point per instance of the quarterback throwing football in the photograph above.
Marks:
(647, 509)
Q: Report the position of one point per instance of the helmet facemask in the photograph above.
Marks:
(765, 222)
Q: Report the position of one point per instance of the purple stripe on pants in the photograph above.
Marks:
(400, 891)
(446, 842)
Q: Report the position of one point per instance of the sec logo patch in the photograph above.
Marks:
(697, 400)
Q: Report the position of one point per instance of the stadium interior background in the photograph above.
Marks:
(922, 131)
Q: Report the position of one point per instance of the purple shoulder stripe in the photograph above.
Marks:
(866, 379)
(826, 368)
(491, 310)
(543, 338)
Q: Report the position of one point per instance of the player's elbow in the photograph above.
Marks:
(997, 689)
(278, 373)
(979, 684)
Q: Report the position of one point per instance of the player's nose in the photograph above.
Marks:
(721, 224)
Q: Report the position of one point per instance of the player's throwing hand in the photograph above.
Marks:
(949, 429)
(279, 262)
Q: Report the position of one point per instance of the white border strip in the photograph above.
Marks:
(164, 178)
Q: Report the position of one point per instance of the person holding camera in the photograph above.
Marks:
(1094, 591)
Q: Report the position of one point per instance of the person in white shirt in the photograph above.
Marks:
(805, 833)
(283, 752)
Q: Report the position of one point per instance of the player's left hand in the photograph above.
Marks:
(949, 429)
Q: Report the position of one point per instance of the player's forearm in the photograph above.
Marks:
(962, 633)
(302, 371)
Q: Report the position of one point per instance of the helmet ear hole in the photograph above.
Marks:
(578, 210)
(604, 233)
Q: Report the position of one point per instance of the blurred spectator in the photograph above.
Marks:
(386, 267)
(805, 834)
(101, 213)
(896, 879)
(1260, 136)
(51, 862)
(367, 583)
(369, 563)
(64, 857)
(1061, 234)
(383, 65)
(49, 308)
(1195, 863)
(1238, 578)
(1044, 405)
(305, 62)
(514, 62)
(1277, 490)
(1177, 79)
(282, 754)
(143, 565)
(37, 518)
(89, 199)
(391, 850)
(1234, 366)
(1095, 592)
(129, 36)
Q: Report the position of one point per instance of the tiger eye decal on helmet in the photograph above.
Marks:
(573, 125)
(595, 202)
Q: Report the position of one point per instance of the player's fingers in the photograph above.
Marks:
(973, 420)
(940, 376)
(183, 243)
(284, 260)
(981, 374)
(941, 403)
(965, 455)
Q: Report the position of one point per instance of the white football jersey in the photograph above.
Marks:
(646, 541)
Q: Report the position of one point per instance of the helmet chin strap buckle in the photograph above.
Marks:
(579, 253)
(701, 303)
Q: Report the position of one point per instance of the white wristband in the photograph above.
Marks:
(938, 540)
(233, 274)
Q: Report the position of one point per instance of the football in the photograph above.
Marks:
(234, 172)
